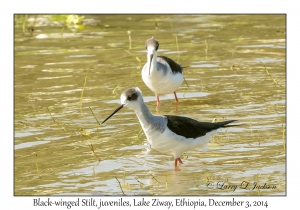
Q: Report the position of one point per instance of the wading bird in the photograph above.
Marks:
(169, 134)
(161, 74)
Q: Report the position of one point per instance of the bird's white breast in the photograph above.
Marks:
(161, 82)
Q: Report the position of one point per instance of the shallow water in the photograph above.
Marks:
(224, 56)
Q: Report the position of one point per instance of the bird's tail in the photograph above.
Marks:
(224, 124)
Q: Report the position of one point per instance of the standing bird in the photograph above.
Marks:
(169, 134)
(161, 74)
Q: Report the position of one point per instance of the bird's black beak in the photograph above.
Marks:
(151, 57)
(120, 107)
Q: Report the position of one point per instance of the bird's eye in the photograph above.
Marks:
(132, 97)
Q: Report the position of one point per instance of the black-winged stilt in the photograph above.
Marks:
(161, 74)
(169, 134)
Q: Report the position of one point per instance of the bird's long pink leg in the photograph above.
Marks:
(157, 101)
(176, 97)
(178, 160)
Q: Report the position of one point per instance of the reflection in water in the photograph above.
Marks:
(225, 57)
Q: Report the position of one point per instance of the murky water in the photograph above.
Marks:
(63, 83)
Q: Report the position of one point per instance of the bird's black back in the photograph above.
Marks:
(191, 128)
(176, 68)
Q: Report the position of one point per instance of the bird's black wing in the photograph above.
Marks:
(191, 128)
(176, 68)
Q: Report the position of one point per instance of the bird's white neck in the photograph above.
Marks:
(144, 115)
(153, 62)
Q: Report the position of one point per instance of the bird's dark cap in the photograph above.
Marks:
(152, 42)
